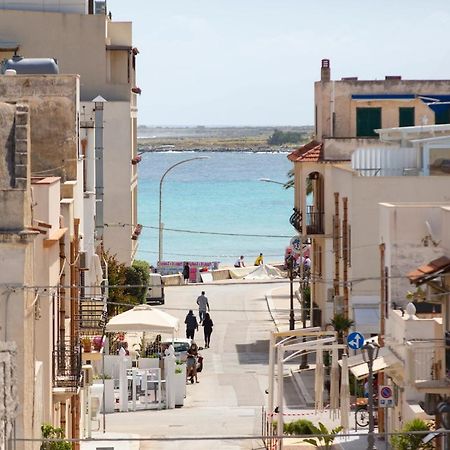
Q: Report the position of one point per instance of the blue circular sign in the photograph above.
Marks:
(355, 340)
(386, 392)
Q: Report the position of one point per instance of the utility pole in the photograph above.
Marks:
(345, 256)
(336, 246)
(382, 414)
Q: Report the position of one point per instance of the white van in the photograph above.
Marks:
(155, 293)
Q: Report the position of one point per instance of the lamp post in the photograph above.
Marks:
(370, 353)
(292, 274)
(160, 225)
(268, 180)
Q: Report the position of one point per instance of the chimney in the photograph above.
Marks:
(325, 70)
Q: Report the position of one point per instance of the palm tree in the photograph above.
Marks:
(341, 325)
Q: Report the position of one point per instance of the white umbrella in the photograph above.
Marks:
(318, 381)
(143, 318)
(334, 384)
(345, 394)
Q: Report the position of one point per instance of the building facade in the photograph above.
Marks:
(85, 41)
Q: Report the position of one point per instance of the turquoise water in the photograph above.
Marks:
(221, 194)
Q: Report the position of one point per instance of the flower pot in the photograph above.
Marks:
(180, 385)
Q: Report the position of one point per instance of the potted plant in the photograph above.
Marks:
(180, 383)
(86, 344)
(327, 436)
(108, 382)
(406, 441)
(97, 343)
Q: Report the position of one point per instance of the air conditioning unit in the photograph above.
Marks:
(88, 375)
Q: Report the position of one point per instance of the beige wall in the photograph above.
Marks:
(99, 51)
(118, 171)
(78, 42)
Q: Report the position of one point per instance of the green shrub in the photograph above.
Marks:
(50, 432)
(298, 427)
(327, 438)
(409, 441)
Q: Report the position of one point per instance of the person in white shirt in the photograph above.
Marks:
(239, 262)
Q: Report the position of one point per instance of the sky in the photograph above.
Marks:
(254, 62)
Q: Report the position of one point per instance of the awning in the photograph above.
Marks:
(439, 103)
(384, 360)
(429, 271)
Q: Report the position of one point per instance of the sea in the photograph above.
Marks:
(215, 209)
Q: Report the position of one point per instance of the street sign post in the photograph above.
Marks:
(355, 340)
(296, 244)
(385, 397)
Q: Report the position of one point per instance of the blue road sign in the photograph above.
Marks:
(355, 340)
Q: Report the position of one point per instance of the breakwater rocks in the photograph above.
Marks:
(255, 149)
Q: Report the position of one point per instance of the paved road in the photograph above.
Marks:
(229, 397)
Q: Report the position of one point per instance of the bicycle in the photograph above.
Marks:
(362, 415)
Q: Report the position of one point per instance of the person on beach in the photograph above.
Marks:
(203, 305)
(259, 261)
(191, 324)
(186, 271)
(239, 262)
(207, 329)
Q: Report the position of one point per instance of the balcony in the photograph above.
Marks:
(429, 364)
(66, 367)
(314, 220)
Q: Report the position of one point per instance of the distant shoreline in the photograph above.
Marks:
(268, 149)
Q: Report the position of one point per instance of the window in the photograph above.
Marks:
(406, 117)
(442, 116)
(367, 121)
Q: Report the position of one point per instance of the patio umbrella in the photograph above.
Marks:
(319, 381)
(334, 384)
(143, 318)
(345, 394)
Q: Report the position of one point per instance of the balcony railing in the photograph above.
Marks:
(92, 316)
(314, 220)
(67, 365)
(296, 220)
(428, 360)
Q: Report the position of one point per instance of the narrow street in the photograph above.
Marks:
(230, 395)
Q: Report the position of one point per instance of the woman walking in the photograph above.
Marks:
(207, 328)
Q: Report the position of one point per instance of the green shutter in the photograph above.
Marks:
(406, 117)
(367, 121)
(441, 117)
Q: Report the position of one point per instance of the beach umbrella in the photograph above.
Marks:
(318, 381)
(345, 394)
(334, 384)
(143, 318)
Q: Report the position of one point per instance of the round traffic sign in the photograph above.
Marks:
(296, 244)
(386, 392)
(355, 340)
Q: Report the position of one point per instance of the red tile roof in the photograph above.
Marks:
(430, 270)
(310, 152)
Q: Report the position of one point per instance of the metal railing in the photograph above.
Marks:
(67, 365)
(296, 220)
(314, 220)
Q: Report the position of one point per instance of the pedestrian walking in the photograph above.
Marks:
(203, 305)
(191, 324)
(259, 261)
(207, 329)
(186, 271)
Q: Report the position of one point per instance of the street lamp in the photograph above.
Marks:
(160, 225)
(370, 353)
(292, 274)
(268, 180)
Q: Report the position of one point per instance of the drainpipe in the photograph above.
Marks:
(99, 183)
